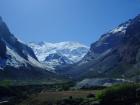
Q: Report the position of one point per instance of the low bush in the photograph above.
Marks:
(124, 94)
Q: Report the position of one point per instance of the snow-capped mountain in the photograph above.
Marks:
(61, 53)
(115, 55)
(17, 60)
(16, 53)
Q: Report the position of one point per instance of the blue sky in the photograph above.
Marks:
(65, 20)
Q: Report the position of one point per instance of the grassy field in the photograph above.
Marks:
(60, 94)
(53, 97)
(15, 94)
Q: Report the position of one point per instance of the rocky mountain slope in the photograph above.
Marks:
(17, 60)
(115, 55)
(57, 54)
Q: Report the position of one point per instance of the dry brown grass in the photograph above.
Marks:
(48, 96)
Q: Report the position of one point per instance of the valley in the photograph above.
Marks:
(71, 73)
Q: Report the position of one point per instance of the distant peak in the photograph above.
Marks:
(62, 44)
(37, 43)
(41, 43)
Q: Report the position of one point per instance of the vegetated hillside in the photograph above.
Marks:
(17, 60)
(115, 55)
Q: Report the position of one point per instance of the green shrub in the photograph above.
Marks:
(5, 83)
(124, 93)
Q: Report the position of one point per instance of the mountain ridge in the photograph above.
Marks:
(17, 60)
(114, 55)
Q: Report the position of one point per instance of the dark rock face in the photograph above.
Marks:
(58, 57)
(22, 49)
(104, 44)
(2, 49)
(116, 54)
(108, 41)
(53, 56)
(131, 43)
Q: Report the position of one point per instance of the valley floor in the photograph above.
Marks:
(63, 94)
(53, 97)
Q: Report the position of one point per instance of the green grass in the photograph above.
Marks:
(5, 83)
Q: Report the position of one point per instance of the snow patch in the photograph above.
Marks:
(14, 59)
(121, 28)
(100, 82)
